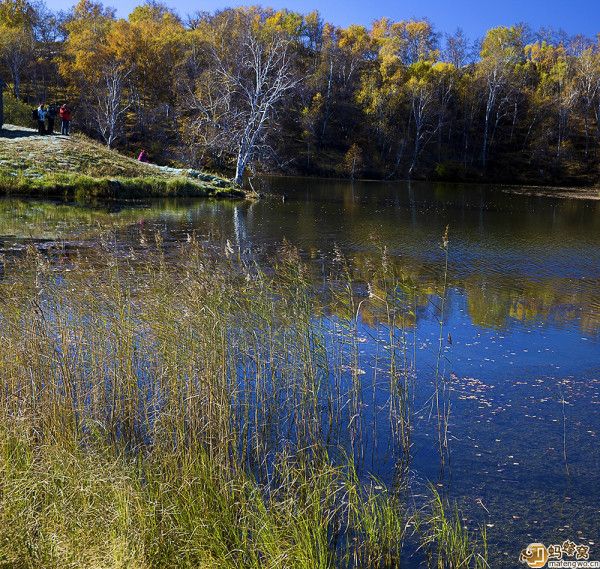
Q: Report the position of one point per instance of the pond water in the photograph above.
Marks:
(521, 324)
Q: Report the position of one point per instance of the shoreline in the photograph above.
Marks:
(542, 190)
(111, 188)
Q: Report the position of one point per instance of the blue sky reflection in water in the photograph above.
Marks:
(521, 339)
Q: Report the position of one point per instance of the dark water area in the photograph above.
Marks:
(521, 326)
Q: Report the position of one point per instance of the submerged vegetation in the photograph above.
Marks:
(221, 426)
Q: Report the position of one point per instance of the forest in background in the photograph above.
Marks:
(254, 89)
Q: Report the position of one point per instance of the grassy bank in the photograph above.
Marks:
(183, 408)
(79, 167)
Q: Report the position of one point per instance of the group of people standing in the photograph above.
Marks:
(46, 117)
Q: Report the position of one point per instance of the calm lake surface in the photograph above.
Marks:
(521, 324)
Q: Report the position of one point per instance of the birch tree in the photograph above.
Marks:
(501, 49)
(269, 81)
(111, 105)
(420, 90)
(588, 87)
(240, 106)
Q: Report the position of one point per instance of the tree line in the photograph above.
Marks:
(251, 89)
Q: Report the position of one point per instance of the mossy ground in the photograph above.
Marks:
(36, 165)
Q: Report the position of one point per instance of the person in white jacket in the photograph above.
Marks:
(41, 119)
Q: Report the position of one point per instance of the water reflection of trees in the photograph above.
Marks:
(379, 247)
(493, 301)
(65, 220)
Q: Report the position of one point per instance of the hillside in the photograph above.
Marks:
(31, 164)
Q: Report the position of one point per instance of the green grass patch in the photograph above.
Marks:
(82, 186)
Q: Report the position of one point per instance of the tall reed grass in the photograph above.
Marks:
(167, 407)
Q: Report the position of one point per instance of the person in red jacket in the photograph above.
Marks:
(65, 117)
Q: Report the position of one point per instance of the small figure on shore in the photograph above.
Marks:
(65, 117)
(50, 118)
(41, 119)
(143, 157)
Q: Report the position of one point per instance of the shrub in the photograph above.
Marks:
(451, 172)
(16, 111)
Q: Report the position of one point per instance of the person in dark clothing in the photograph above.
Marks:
(51, 117)
(65, 117)
(41, 119)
